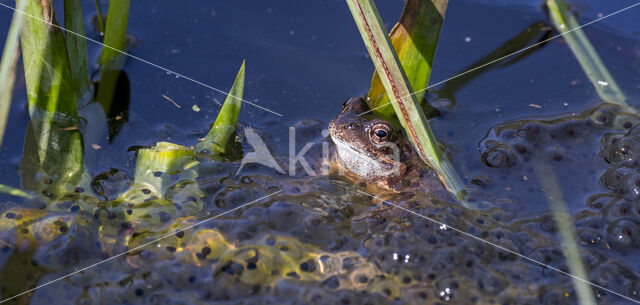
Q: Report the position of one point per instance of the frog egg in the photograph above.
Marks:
(385, 288)
(555, 298)
(589, 237)
(208, 244)
(616, 277)
(547, 224)
(635, 132)
(612, 177)
(631, 186)
(231, 198)
(533, 133)
(520, 146)
(624, 121)
(416, 296)
(573, 130)
(556, 152)
(499, 155)
(492, 283)
(620, 150)
(361, 277)
(623, 234)
(595, 222)
(601, 118)
(110, 184)
(599, 201)
(621, 209)
(609, 139)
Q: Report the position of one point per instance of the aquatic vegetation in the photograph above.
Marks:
(144, 228)
(589, 60)
(415, 39)
(405, 104)
(77, 47)
(115, 31)
(217, 139)
(7, 67)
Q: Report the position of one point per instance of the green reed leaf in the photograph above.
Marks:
(415, 39)
(76, 47)
(397, 86)
(115, 31)
(53, 154)
(585, 53)
(46, 64)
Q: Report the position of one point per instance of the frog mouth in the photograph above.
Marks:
(367, 166)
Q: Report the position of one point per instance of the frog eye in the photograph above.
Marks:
(380, 133)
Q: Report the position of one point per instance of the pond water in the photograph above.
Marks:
(319, 240)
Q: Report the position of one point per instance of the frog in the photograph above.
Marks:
(371, 150)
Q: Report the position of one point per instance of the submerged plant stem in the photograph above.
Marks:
(8, 66)
(564, 221)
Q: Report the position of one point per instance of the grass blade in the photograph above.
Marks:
(116, 30)
(76, 47)
(8, 66)
(224, 127)
(404, 103)
(414, 38)
(585, 53)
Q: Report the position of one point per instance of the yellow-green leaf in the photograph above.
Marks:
(414, 38)
(225, 125)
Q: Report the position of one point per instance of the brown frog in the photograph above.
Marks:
(374, 150)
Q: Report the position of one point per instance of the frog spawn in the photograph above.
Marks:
(197, 258)
(337, 247)
(621, 206)
(400, 260)
(611, 224)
